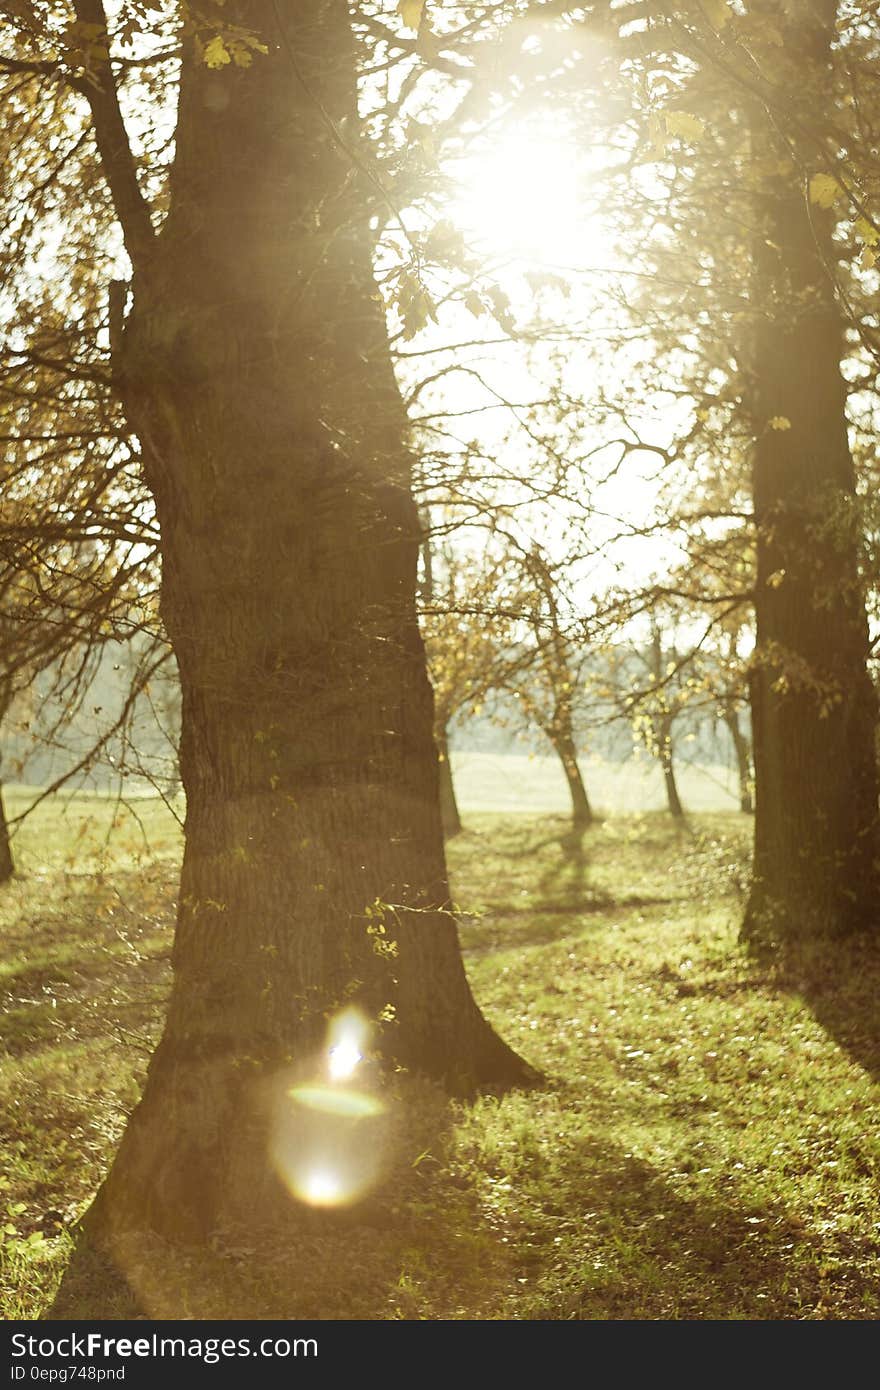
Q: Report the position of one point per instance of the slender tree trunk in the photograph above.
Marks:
(581, 810)
(667, 763)
(742, 749)
(257, 375)
(7, 864)
(449, 813)
(813, 706)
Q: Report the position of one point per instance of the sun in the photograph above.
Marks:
(523, 197)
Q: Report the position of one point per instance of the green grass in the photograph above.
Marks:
(706, 1145)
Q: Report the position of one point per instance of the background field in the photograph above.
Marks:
(502, 783)
(507, 782)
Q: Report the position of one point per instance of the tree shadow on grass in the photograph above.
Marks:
(88, 963)
(618, 1241)
(560, 887)
(599, 1234)
(840, 983)
(557, 882)
(417, 1247)
(568, 879)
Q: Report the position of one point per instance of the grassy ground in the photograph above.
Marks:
(707, 1144)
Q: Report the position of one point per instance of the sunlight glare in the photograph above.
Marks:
(342, 1059)
(522, 197)
(347, 1039)
(321, 1188)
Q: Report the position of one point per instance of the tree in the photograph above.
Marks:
(7, 864)
(546, 680)
(460, 622)
(813, 706)
(652, 686)
(662, 717)
(77, 547)
(759, 123)
(721, 567)
(254, 368)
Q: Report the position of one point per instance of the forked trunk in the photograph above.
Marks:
(257, 374)
(813, 706)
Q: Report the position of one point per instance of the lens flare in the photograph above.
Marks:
(349, 1032)
(330, 1133)
(322, 1188)
(335, 1101)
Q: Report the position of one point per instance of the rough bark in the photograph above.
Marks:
(257, 375)
(813, 706)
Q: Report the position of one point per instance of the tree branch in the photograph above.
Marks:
(117, 161)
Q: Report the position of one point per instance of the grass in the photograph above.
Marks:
(707, 1144)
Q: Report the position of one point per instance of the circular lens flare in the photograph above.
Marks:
(322, 1188)
(329, 1139)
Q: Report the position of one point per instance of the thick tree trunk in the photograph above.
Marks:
(742, 749)
(449, 813)
(581, 810)
(7, 863)
(813, 706)
(257, 375)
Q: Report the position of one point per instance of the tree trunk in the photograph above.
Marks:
(673, 800)
(257, 375)
(813, 706)
(742, 748)
(7, 864)
(449, 814)
(581, 810)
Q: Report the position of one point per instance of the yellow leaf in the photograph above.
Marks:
(414, 304)
(216, 53)
(779, 422)
(824, 190)
(867, 231)
(410, 12)
(868, 258)
(474, 303)
(685, 126)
